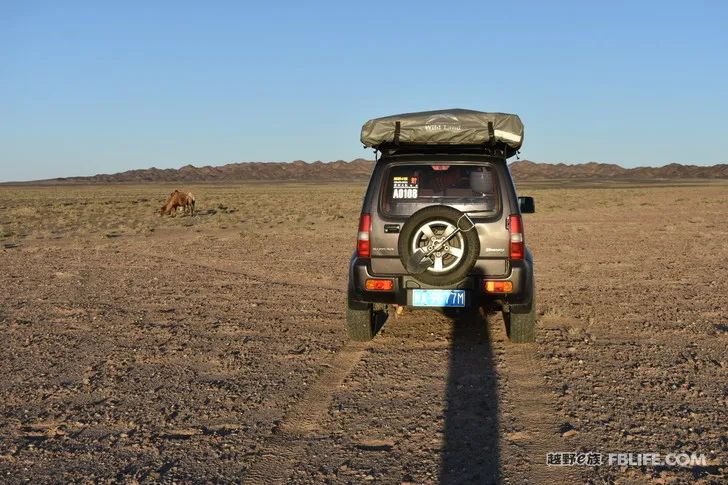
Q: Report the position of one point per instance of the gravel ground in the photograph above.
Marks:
(141, 349)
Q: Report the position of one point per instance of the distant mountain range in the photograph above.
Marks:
(527, 170)
(237, 172)
(360, 169)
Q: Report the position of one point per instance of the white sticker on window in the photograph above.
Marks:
(404, 187)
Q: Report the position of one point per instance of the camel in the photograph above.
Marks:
(179, 199)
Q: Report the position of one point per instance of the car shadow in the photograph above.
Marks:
(470, 453)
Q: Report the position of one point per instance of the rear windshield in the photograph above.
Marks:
(409, 188)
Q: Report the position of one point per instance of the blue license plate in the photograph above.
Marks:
(438, 298)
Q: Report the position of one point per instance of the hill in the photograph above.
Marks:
(360, 169)
(236, 172)
(528, 170)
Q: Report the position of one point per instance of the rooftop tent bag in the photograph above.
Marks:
(445, 127)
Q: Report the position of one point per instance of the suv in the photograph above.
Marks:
(441, 227)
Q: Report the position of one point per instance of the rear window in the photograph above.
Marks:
(467, 187)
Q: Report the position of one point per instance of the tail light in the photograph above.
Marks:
(363, 247)
(515, 227)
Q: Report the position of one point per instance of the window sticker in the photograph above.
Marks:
(404, 187)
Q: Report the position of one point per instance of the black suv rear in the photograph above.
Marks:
(442, 228)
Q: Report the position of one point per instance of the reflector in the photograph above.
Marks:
(379, 285)
(498, 286)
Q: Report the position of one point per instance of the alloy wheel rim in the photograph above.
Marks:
(432, 232)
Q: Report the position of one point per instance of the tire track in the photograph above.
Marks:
(283, 450)
(530, 430)
(532, 416)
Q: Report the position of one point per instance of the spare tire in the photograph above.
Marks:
(424, 229)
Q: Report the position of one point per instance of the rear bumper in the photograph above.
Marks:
(520, 274)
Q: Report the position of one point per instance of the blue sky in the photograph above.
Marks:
(95, 87)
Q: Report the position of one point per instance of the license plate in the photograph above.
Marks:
(438, 298)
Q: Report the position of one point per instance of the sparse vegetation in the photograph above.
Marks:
(79, 211)
(106, 350)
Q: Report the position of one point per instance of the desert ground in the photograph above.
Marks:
(137, 348)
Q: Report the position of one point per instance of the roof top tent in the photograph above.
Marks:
(462, 130)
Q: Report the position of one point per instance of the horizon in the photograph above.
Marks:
(193, 165)
(103, 90)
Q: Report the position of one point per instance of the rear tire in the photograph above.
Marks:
(360, 321)
(521, 327)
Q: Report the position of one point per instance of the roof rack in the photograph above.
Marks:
(498, 151)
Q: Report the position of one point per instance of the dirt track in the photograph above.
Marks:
(212, 348)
